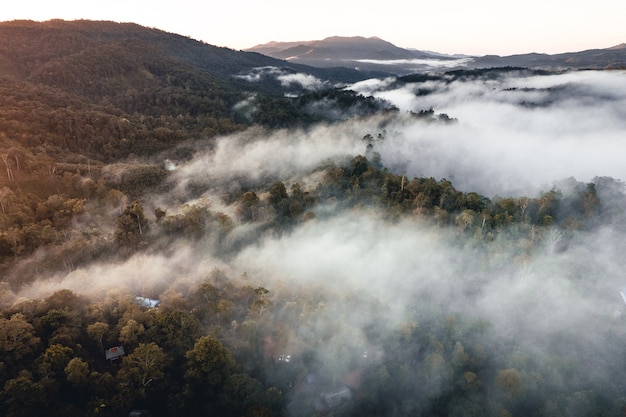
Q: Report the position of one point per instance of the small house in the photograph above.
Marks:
(112, 354)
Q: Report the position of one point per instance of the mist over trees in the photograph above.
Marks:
(175, 244)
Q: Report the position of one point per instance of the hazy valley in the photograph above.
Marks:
(192, 230)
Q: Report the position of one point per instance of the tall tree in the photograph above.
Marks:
(131, 226)
(97, 331)
(17, 338)
(142, 369)
(209, 364)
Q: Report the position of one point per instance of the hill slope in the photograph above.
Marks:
(26, 45)
(76, 96)
(110, 90)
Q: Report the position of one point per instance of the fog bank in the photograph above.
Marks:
(515, 135)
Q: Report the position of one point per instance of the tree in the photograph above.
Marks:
(441, 216)
(53, 361)
(548, 203)
(65, 299)
(261, 301)
(17, 338)
(6, 198)
(22, 397)
(225, 309)
(465, 220)
(131, 331)
(278, 193)
(209, 365)
(142, 368)
(279, 200)
(59, 326)
(247, 208)
(9, 167)
(590, 200)
(131, 225)
(174, 330)
(97, 331)
(510, 382)
(240, 393)
(77, 372)
(12, 236)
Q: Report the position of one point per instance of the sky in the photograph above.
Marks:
(479, 27)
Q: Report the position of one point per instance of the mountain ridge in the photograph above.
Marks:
(112, 90)
(54, 38)
(338, 48)
(375, 53)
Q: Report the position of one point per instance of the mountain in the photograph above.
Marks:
(375, 54)
(607, 58)
(371, 54)
(338, 48)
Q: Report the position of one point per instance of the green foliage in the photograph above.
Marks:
(131, 226)
(77, 372)
(143, 368)
(22, 397)
(17, 338)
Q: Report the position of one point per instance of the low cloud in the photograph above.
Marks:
(258, 155)
(306, 81)
(419, 64)
(514, 134)
(286, 78)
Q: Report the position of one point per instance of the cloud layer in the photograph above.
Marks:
(514, 134)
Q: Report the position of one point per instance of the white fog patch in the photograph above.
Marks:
(257, 74)
(357, 253)
(141, 274)
(410, 264)
(514, 135)
(306, 81)
(257, 154)
(419, 63)
(285, 77)
(371, 86)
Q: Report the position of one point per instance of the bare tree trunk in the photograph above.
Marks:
(5, 159)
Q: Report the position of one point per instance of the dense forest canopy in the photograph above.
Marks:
(190, 230)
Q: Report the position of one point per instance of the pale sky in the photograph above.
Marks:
(476, 27)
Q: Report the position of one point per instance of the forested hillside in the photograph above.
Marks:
(189, 230)
(77, 95)
(111, 90)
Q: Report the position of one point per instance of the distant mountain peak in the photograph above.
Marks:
(350, 38)
(333, 51)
